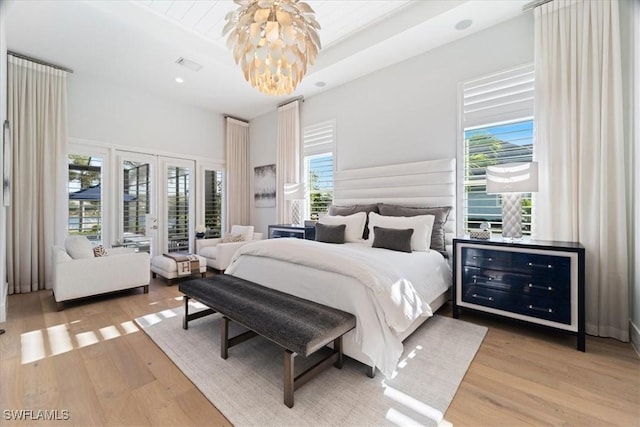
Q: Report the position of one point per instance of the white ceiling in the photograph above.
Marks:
(136, 43)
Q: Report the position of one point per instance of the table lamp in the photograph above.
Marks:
(511, 180)
(294, 192)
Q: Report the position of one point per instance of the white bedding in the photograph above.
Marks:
(387, 291)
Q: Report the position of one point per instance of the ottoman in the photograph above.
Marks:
(168, 268)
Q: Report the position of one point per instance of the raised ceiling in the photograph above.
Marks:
(136, 43)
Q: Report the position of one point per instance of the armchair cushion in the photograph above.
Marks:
(245, 230)
(219, 253)
(78, 247)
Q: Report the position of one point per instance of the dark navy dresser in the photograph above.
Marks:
(534, 281)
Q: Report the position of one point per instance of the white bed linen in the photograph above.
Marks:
(387, 291)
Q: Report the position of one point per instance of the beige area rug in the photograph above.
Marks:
(247, 387)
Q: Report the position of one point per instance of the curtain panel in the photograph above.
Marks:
(580, 150)
(238, 189)
(37, 217)
(289, 154)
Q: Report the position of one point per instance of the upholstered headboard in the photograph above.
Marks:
(426, 183)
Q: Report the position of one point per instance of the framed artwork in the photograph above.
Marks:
(6, 170)
(264, 186)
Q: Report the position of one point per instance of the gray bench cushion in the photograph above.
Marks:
(296, 324)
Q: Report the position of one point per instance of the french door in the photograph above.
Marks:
(137, 201)
(177, 220)
(155, 203)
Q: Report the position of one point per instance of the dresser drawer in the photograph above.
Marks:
(554, 309)
(525, 263)
(526, 284)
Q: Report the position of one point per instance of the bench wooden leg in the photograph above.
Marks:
(185, 319)
(288, 378)
(224, 337)
(337, 347)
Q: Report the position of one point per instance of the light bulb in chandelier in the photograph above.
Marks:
(273, 41)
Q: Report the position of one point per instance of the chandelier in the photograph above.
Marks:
(273, 41)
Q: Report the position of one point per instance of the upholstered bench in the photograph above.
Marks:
(168, 268)
(297, 325)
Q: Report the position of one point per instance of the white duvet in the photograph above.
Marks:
(386, 290)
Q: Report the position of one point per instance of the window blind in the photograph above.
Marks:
(503, 97)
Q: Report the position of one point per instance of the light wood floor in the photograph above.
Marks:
(109, 373)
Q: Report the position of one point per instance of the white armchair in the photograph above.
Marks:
(77, 273)
(218, 253)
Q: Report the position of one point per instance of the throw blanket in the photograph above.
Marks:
(395, 300)
(185, 263)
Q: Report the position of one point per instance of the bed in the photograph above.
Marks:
(391, 293)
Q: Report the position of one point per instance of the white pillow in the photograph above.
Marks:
(78, 247)
(422, 226)
(245, 230)
(354, 225)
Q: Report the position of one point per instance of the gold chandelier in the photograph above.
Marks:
(273, 41)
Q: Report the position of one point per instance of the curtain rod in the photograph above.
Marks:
(297, 98)
(38, 61)
(530, 6)
(229, 116)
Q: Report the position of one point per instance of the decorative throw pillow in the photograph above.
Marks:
(393, 238)
(99, 251)
(233, 238)
(420, 224)
(78, 247)
(350, 210)
(441, 214)
(330, 233)
(354, 223)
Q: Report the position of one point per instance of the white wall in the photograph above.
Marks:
(103, 112)
(3, 222)
(406, 112)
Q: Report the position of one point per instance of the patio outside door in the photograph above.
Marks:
(138, 219)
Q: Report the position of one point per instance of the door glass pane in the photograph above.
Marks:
(178, 208)
(136, 193)
(85, 197)
(213, 203)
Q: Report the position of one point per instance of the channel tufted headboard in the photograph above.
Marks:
(425, 183)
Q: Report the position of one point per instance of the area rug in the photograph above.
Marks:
(247, 387)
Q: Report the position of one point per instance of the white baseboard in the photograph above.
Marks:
(634, 335)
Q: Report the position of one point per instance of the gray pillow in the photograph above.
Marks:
(441, 213)
(330, 233)
(392, 238)
(350, 210)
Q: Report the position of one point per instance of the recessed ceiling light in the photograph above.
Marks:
(179, 80)
(321, 84)
(464, 24)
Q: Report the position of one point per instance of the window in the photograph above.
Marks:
(178, 208)
(85, 196)
(213, 203)
(318, 143)
(498, 128)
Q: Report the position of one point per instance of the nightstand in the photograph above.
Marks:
(533, 281)
(292, 230)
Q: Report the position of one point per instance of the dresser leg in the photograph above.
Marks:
(581, 341)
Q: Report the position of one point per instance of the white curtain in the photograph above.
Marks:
(37, 112)
(238, 191)
(288, 157)
(580, 149)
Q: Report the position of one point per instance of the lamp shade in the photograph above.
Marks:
(521, 177)
(295, 191)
